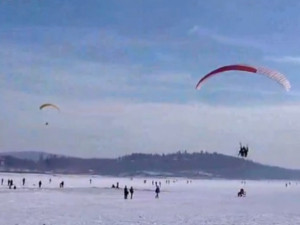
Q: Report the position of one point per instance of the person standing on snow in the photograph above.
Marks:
(125, 192)
(157, 190)
(131, 192)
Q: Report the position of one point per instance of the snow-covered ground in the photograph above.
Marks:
(211, 202)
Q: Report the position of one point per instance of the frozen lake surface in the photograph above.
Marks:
(212, 202)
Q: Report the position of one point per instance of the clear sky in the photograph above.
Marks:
(124, 75)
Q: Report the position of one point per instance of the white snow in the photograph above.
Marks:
(211, 202)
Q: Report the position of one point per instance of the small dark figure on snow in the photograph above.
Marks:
(10, 183)
(157, 191)
(242, 193)
(126, 192)
(131, 192)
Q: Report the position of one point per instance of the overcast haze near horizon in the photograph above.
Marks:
(124, 75)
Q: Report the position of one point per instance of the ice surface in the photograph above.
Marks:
(212, 202)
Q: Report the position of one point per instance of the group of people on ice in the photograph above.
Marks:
(131, 191)
(11, 185)
(126, 192)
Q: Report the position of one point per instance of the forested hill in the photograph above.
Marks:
(197, 165)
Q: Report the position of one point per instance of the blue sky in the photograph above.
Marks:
(124, 75)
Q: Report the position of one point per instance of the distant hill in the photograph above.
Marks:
(30, 155)
(196, 165)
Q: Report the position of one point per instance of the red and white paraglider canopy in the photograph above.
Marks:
(275, 75)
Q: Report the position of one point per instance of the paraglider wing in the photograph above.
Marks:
(49, 105)
(280, 78)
